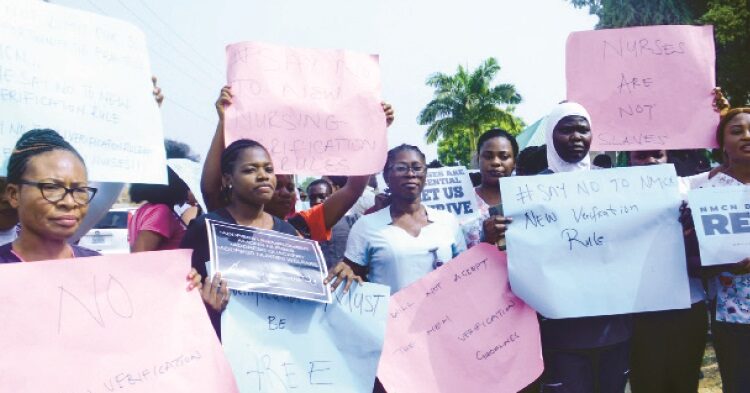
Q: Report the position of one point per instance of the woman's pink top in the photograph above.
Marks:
(162, 220)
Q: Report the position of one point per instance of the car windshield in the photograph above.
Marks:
(113, 220)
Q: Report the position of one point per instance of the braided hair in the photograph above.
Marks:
(230, 155)
(33, 143)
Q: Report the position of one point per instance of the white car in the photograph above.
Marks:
(110, 235)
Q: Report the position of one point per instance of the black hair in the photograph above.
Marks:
(435, 164)
(319, 181)
(531, 160)
(32, 143)
(232, 152)
(498, 133)
(689, 162)
(176, 149)
(603, 161)
(338, 181)
(175, 192)
(398, 149)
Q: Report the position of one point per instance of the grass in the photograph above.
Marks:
(711, 381)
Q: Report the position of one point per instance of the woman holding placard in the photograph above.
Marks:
(731, 284)
(48, 186)
(496, 150)
(248, 183)
(400, 244)
(587, 354)
(667, 346)
(315, 223)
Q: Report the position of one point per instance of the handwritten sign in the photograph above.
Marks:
(278, 344)
(256, 260)
(598, 242)
(87, 77)
(316, 111)
(722, 223)
(645, 87)
(102, 324)
(461, 329)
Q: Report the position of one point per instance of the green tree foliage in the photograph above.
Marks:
(623, 13)
(458, 149)
(730, 18)
(464, 105)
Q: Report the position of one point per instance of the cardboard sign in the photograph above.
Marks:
(86, 76)
(598, 242)
(316, 111)
(646, 88)
(278, 344)
(257, 260)
(461, 329)
(722, 223)
(110, 323)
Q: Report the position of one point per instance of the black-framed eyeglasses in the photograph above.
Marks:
(55, 192)
(402, 169)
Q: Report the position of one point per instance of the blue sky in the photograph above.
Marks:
(414, 39)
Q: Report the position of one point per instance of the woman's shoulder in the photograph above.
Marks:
(83, 252)
(282, 226)
(220, 214)
(7, 255)
(377, 218)
(152, 208)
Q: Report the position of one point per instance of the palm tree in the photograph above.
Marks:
(466, 104)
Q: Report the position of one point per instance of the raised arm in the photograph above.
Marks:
(211, 176)
(336, 206)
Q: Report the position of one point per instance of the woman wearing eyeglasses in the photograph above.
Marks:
(48, 186)
(398, 245)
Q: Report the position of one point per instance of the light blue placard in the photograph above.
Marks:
(596, 242)
(278, 344)
(722, 223)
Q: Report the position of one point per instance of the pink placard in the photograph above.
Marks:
(646, 88)
(122, 323)
(461, 329)
(317, 111)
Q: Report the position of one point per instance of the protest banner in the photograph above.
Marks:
(257, 260)
(87, 77)
(722, 223)
(461, 329)
(190, 172)
(316, 111)
(598, 242)
(450, 189)
(278, 344)
(110, 323)
(646, 88)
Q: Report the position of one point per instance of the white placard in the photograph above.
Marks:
(86, 76)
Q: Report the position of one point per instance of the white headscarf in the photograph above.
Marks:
(554, 162)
